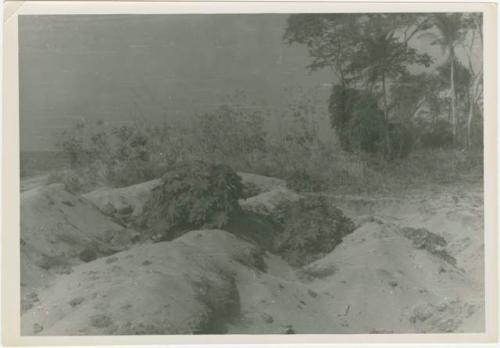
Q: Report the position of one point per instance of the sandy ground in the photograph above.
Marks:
(58, 230)
(33, 182)
(413, 264)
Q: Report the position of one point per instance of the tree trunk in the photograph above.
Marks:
(342, 78)
(386, 119)
(469, 125)
(453, 97)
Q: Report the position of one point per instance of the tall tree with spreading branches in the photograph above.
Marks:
(331, 39)
(361, 49)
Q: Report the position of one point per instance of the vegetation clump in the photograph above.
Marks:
(397, 115)
(191, 195)
(371, 56)
(311, 228)
(358, 120)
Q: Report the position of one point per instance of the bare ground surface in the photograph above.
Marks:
(413, 264)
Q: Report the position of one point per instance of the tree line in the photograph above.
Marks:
(388, 94)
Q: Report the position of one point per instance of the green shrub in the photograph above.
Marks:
(191, 195)
(437, 135)
(357, 119)
(312, 227)
(401, 141)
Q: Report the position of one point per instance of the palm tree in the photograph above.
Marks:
(450, 33)
(382, 57)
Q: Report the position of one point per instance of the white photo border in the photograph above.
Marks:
(11, 174)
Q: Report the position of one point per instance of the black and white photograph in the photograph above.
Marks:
(251, 173)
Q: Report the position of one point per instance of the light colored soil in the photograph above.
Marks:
(56, 226)
(268, 202)
(262, 183)
(33, 182)
(130, 198)
(175, 287)
(380, 279)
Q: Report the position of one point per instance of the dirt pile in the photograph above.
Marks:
(453, 213)
(33, 182)
(126, 203)
(260, 183)
(412, 264)
(60, 230)
(269, 203)
(381, 280)
(203, 282)
(122, 203)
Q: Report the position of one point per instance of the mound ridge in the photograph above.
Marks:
(56, 227)
(176, 288)
(203, 282)
(408, 267)
(127, 201)
(457, 215)
(382, 280)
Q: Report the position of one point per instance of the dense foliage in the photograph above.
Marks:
(312, 227)
(120, 156)
(99, 154)
(191, 195)
(361, 126)
(358, 120)
(371, 56)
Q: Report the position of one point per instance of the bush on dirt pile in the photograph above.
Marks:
(192, 195)
(312, 227)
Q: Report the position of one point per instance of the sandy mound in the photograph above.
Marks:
(261, 183)
(456, 216)
(210, 281)
(413, 264)
(388, 279)
(33, 182)
(60, 230)
(204, 282)
(128, 202)
(123, 202)
(267, 203)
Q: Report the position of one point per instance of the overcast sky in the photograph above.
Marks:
(124, 68)
(120, 68)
